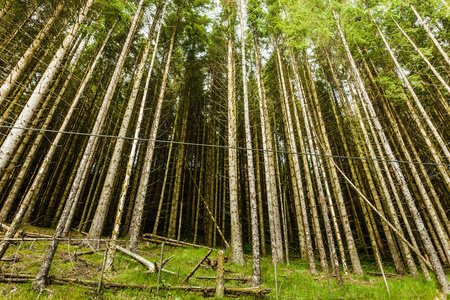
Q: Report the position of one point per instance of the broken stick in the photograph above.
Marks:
(160, 263)
(197, 266)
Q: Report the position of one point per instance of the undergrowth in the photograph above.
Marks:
(293, 280)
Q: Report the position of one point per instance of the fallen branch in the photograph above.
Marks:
(157, 241)
(379, 274)
(23, 233)
(151, 266)
(165, 261)
(226, 279)
(168, 241)
(148, 264)
(207, 291)
(15, 259)
(197, 266)
(87, 252)
(163, 264)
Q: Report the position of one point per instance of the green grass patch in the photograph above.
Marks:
(293, 281)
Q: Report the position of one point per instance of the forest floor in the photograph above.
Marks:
(294, 281)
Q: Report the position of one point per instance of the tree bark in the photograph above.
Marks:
(442, 280)
(431, 35)
(138, 211)
(237, 252)
(13, 138)
(24, 61)
(268, 155)
(101, 212)
(256, 270)
(64, 222)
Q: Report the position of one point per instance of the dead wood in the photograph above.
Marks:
(151, 266)
(380, 274)
(226, 278)
(23, 233)
(164, 262)
(76, 254)
(212, 264)
(172, 242)
(197, 266)
(147, 263)
(207, 291)
(157, 241)
(220, 283)
(15, 259)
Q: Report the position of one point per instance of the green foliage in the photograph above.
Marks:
(391, 87)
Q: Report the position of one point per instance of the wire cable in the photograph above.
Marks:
(222, 147)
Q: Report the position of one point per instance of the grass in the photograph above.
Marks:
(294, 280)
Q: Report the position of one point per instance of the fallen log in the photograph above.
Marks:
(226, 278)
(148, 264)
(380, 274)
(157, 241)
(16, 259)
(207, 291)
(172, 241)
(87, 252)
(23, 233)
(151, 266)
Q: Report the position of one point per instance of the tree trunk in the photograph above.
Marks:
(237, 252)
(256, 271)
(24, 206)
(24, 61)
(101, 212)
(356, 264)
(431, 35)
(64, 222)
(268, 155)
(13, 138)
(138, 211)
(6, 8)
(442, 280)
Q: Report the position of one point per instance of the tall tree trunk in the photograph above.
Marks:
(433, 69)
(101, 212)
(442, 280)
(65, 220)
(177, 189)
(237, 251)
(352, 166)
(4, 45)
(256, 271)
(32, 151)
(356, 264)
(381, 180)
(310, 190)
(132, 156)
(24, 61)
(408, 157)
(268, 155)
(138, 211)
(166, 173)
(25, 203)
(431, 35)
(425, 116)
(13, 138)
